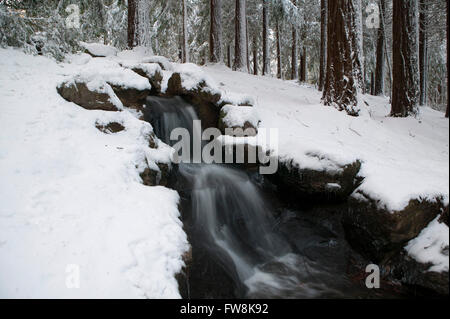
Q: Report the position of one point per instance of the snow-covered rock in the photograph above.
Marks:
(99, 49)
(243, 117)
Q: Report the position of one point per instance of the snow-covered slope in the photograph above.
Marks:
(402, 159)
(72, 195)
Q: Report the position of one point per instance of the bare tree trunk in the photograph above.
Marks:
(343, 79)
(131, 23)
(240, 56)
(255, 56)
(303, 68)
(278, 39)
(323, 42)
(215, 39)
(379, 69)
(247, 44)
(405, 89)
(448, 68)
(266, 54)
(294, 61)
(423, 50)
(229, 63)
(185, 35)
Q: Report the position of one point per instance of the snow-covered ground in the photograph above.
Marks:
(71, 198)
(403, 159)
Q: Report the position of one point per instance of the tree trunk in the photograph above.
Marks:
(303, 75)
(323, 42)
(379, 69)
(266, 54)
(131, 24)
(448, 69)
(423, 50)
(185, 35)
(343, 77)
(294, 61)
(255, 56)
(240, 56)
(215, 38)
(229, 63)
(405, 86)
(278, 39)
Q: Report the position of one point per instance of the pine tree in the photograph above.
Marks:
(132, 23)
(378, 88)
(423, 50)
(240, 56)
(266, 45)
(185, 35)
(294, 60)
(343, 77)
(323, 42)
(215, 42)
(405, 87)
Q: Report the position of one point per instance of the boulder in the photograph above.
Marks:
(163, 62)
(377, 233)
(110, 128)
(307, 185)
(203, 98)
(153, 73)
(415, 275)
(152, 177)
(97, 50)
(89, 97)
(241, 119)
(131, 97)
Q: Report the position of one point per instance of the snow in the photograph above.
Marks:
(402, 158)
(104, 70)
(99, 50)
(237, 116)
(192, 75)
(160, 60)
(429, 246)
(72, 195)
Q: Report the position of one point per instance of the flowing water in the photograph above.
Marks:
(252, 241)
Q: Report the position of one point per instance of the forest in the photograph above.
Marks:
(287, 39)
(224, 149)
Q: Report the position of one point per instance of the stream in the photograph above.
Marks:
(247, 242)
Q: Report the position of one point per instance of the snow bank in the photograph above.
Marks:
(193, 75)
(99, 50)
(72, 198)
(430, 246)
(164, 62)
(403, 159)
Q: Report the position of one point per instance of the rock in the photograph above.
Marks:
(151, 177)
(78, 92)
(317, 186)
(415, 275)
(110, 128)
(98, 50)
(153, 73)
(377, 233)
(163, 62)
(201, 97)
(241, 119)
(131, 97)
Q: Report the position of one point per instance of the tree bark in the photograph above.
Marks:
(448, 68)
(405, 86)
(343, 77)
(279, 70)
(215, 38)
(185, 35)
(266, 54)
(131, 24)
(294, 61)
(379, 69)
(323, 42)
(229, 63)
(423, 50)
(255, 56)
(240, 55)
(303, 75)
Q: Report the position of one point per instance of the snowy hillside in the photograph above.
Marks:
(72, 195)
(403, 158)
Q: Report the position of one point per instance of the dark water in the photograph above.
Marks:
(246, 242)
